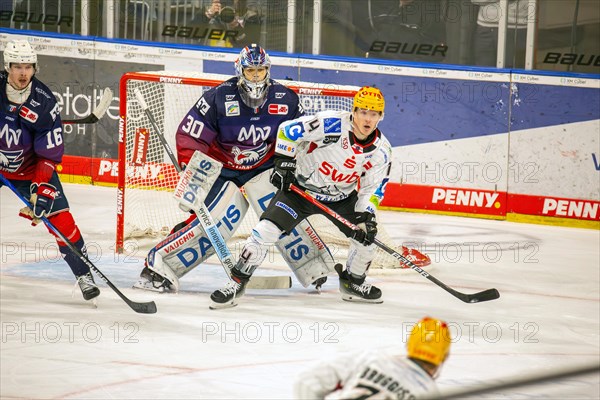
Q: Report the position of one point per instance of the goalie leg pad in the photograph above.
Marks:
(302, 249)
(187, 248)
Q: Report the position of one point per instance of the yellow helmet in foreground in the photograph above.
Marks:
(429, 341)
(369, 98)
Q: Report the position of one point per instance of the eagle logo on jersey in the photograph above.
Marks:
(249, 157)
(10, 161)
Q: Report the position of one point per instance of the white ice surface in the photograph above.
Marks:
(55, 345)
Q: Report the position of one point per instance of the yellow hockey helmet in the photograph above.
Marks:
(429, 341)
(369, 98)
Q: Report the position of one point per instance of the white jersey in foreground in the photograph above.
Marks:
(330, 162)
(370, 375)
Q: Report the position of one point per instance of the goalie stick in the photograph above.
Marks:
(486, 295)
(143, 308)
(208, 223)
(97, 113)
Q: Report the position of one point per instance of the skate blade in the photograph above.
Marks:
(146, 285)
(222, 306)
(356, 299)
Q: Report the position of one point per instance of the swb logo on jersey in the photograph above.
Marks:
(278, 109)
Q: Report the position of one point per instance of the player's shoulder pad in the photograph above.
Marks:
(280, 91)
(41, 108)
(40, 91)
(296, 129)
(226, 91)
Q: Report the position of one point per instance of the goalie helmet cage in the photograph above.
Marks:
(146, 176)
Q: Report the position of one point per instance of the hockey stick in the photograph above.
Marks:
(143, 308)
(97, 113)
(486, 295)
(207, 222)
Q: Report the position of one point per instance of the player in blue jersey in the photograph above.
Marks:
(235, 123)
(31, 145)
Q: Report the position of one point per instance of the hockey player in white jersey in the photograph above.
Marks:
(379, 375)
(327, 155)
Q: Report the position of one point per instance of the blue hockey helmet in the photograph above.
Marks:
(254, 83)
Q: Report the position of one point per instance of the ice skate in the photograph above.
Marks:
(225, 297)
(355, 291)
(318, 283)
(150, 280)
(88, 286)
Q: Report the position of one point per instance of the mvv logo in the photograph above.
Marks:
(257, 134)
(11, 136)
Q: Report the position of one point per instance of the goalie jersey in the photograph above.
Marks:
(221, 125)
(331, 163)
(29, 132)
(368, 375)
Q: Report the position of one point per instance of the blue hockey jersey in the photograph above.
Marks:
(221, 125)
(30, 132)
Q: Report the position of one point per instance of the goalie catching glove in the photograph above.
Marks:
(284, 173)
(368, 224)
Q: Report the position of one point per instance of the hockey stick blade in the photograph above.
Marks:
(97, 113)
(486, 295)
(143, 308)
(269, 282)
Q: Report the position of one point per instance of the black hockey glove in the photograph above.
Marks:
(283, 174)
(368, 224)
(42, 198)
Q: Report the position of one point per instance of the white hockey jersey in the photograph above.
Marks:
(331, 163)
(370, 375)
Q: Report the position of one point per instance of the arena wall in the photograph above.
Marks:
(517, 145)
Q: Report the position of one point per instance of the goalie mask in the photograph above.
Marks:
(253, 71)
(429, 341)
(19, 52)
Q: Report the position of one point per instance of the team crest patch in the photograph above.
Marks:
(332, 125)
(232, 108)
(278, 109)
(287, 209)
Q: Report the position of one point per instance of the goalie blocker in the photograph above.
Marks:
(182, 251)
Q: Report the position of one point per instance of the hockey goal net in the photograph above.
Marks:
(146, 179)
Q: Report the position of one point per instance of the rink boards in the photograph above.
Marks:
(489, 143)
